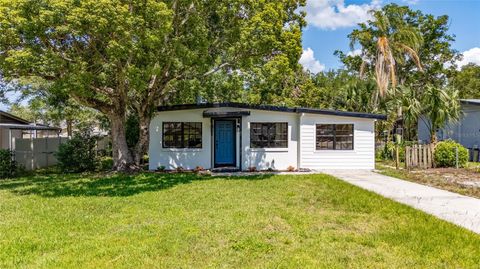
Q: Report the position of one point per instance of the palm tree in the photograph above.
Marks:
(387, 41)
(440, 107)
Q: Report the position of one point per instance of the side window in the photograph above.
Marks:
(182, 135)
(269, 135)
(334, 137)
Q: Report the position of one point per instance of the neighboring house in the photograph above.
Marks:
(242, 136)
(7, 120)
(12, 127)
(465, 131)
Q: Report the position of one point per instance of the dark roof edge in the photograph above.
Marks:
(470, 102)
(28, 127)
(13, 116)
(275, 108)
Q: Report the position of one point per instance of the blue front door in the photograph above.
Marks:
(224, 143)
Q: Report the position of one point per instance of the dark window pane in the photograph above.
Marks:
(182, 134)
(325, 142)
(334, 136)
(344, 129)
(268, 135)
(325, 129)
(344, 143)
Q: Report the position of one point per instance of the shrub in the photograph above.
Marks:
(291, 169)
(77, 154)
(252, 169)
(198, 169)
(8, 167)
(106, 163)
(161, 168)
(444, 155)
(388, 152)
(180, 169)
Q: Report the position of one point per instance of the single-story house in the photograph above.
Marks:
(13, 127)
(465, 131)
(241, 136)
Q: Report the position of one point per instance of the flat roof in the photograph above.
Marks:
(274, 108)
(470, 101)
(27, 127)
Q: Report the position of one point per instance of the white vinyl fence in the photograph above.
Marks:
(37, 152)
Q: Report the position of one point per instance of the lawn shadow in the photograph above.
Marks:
(116, 184)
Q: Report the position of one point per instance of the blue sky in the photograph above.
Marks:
(330, 21)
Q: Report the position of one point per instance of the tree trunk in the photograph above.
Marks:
(433, 137)
(69, 128)
(122, 158)
(143, 138)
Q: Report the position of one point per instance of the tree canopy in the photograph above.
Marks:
(467, 81)
(118, 56)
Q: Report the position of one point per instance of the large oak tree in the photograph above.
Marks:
(118, 56)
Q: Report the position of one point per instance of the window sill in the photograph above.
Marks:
(181, 150)
(334, 150)
(268, 149)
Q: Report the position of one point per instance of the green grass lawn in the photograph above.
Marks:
(185, 221)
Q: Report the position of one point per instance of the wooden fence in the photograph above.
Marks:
(419, 156)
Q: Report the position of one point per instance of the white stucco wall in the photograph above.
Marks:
(173, 158)
(361, 157)
(275, 158)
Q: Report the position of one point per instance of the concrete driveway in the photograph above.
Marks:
(455, 208)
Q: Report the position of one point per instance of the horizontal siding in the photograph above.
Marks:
(361, 157)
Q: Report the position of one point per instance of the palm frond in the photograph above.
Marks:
(413, 55)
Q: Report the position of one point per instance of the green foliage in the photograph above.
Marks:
(105, 163)
(8, 167)
(445, 154)
(388, 151)
(440, 106)
(386, 42)
(132, 130)
(467, 81)
(122, 57)
(78, 154)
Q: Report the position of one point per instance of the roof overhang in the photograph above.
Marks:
(13, 117)
(274, 108)
(225, 114)
(475, 102)
(28, 127)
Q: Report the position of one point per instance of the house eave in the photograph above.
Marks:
(274, 108)
(225, 114)
(474, 102)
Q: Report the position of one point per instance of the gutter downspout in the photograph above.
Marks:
(299, 141)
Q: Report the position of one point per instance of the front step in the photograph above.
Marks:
(225, 170)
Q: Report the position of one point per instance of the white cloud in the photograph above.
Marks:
(470, 56)
(333, 14)
(308, 61)
(356, 52)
